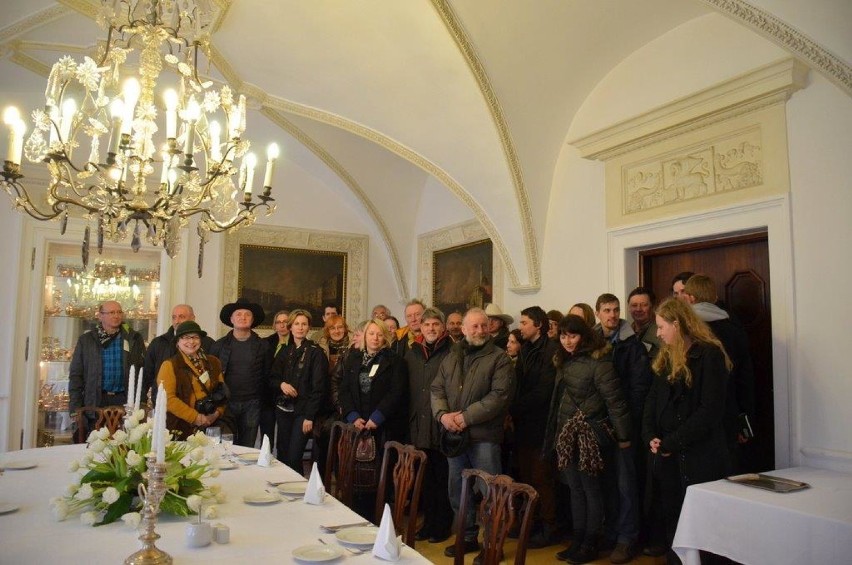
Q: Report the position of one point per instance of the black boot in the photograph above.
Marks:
(576, 542)
(588, 551)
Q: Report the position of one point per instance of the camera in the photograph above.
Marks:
(209, 403)
(286, 403)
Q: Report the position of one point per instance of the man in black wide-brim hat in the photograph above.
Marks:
(246, 362)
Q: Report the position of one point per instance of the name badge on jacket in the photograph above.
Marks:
(126, 345)
(373, 370)
(204, 377)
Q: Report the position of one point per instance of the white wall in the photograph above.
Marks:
(820, 141)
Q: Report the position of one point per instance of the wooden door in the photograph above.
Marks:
(740, 267)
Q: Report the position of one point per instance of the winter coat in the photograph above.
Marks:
(688, 420)
(85, 375)
(479, 382)
(386, 402)
(588, 382)
(424, 431)
(161, 349)
(306, 369)
(535, 376)
(633, 368)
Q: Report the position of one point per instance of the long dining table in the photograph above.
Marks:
(258, 533)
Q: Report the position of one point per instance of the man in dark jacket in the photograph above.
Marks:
(246, 362)
(164, 346)
(534, 375)
(700, 291)
(423, 360)
(100, 366)
(633, 368)
(478, 409)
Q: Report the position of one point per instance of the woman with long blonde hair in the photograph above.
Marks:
(682, 422)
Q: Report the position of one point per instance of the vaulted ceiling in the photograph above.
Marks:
(384, 97)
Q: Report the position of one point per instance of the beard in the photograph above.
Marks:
(476, 341)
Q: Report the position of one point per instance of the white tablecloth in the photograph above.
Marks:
(258, 533)
(755, 526)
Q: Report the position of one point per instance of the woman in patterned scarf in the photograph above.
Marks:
(587, 414)
(195, 387)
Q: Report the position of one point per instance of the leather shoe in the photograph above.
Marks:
(481, 556)
(422, 535)
(655, 551)
(623, 553)
(568, 554)
(468, 546)
(439, 537)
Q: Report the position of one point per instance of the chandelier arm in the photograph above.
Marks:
(25, 202)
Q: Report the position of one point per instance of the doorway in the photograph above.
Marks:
(740, 267)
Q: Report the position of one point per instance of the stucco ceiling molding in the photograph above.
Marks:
(445, 238)
(765, 86)
(88, 8)
(459, 35)
(790, 38)
(30, 63)
(286, 106)
(20, 27)
(344, 175)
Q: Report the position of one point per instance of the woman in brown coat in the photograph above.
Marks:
(194, 384)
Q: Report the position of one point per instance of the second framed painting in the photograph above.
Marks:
(462, 276)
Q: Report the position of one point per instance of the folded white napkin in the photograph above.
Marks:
(315, 491)
(388, 545)
(265, 457)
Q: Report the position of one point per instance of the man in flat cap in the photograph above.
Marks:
(246, 362)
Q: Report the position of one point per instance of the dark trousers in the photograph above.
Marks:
(539, 474)
(621, 488)
(247, 414)
(437, 512)
(587, 503)
(113, 399)
(291, 440)
(667, 494)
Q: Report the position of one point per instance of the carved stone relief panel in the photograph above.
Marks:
(724, 164)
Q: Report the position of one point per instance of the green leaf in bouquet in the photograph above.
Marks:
(99, 475)
(175, 505)
(117, 509)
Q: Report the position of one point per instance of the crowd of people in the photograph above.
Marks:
(608, 419)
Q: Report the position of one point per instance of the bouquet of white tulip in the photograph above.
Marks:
(109, 474)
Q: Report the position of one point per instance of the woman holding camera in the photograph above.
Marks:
(194, 384)
(300, 372)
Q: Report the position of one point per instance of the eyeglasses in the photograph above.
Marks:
(112, 312)
(191, 337)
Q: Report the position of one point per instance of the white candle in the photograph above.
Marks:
(131, 96)
(215, 134)
(160, 427)
(192, 113)
(17, 148)
(69, 109)
(251, 163)
(272, 156)
(171, 113)
(138, 391)
(131, 387)
(116, 110)
(11, 116)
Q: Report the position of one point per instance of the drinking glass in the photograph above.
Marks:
(214, 434)
(227, 442)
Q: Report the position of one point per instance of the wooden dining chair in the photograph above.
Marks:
(407, 476)
(83, 416)
(504, 503)
(113, 418)
(340, 464)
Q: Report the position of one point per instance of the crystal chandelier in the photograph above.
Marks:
(166, 158)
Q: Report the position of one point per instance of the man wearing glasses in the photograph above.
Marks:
(100, 366)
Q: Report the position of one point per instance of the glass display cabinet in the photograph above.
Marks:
(71, 299)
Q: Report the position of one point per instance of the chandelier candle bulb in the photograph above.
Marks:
(131, 96)
(171, 98)
(271, 156)
(12, 118)
(191, 114)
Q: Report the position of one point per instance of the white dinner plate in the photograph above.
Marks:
(225, 465)
(7, 508)
(358, 536)
(261, 497)
(18, 465)
(317, 552)
(293, 488)
(249, 457)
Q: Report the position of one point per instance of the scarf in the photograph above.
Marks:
(103, 337)
(577, 440)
